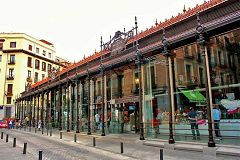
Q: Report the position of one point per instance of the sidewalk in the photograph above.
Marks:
(9, 153)
(133, 146)
(147, 149)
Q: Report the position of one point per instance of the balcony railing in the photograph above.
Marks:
(11, 77)
(8, 93)
(29, 79)
(189, 56)
(11, 62)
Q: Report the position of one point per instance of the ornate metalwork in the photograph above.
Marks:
(201, 41)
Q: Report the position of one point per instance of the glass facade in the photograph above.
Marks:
(119, 89)
(190, 92)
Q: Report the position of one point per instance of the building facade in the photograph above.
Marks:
(147, 82)
(23, 60)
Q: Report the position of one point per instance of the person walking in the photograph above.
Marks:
(10, 124)
(39, 125)
(217, 118)
(192, 116)
(97, 117)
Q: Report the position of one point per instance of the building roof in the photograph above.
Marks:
(46, 42)
(168, 22)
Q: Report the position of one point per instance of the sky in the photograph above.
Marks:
(75, 26)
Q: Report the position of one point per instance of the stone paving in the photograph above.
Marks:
(107, 147)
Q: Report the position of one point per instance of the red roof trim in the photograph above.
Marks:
(46, 42)
(178, 18)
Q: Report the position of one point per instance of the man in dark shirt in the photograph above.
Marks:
(192, 116)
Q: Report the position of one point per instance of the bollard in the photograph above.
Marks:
(42, 130)
(30, 129)
(2, 135)
(7, 138)
(161, 154)
(50, 132)
(14, 142)
(75, 138)
(24, 148)
(47, 131)
(94, 141)
(40, 155)
(25, 128)
(121, 147)
(60, 135)
(35, 130)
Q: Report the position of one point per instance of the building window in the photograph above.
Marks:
(43, 66)
(37, 64)
(9, 88)
(29, 74)
(43, 76)
(49, 67)
(136, 82)
(29, 63)
(99, 88)
(44, 53)
(36, 77)
(1, 46)
(152, 71)
(188, 72)
(11, 72)
(120, 85)
(49, 55)
(201, 76)
(13, 45)
(37, 50)
(220, 58)
(9, 100)
(12, 59)
(30, 47)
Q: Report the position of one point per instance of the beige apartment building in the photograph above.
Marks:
(23, 60)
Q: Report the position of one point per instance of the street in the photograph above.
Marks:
(107, 147)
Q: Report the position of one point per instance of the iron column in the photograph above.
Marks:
(201, 41)
(167, 54)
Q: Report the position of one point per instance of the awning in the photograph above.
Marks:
(194, 96)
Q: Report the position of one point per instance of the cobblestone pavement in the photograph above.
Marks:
(107, 147)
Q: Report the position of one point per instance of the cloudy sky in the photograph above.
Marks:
(75, 26)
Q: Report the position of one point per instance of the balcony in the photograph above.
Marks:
(200, 58)
(188, 56)
(8, 93)
(11, 77)
(223, 65)
(11, 62)
(29, 79)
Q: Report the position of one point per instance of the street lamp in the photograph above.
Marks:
(102, 74)
(139, 61)
(78, 117)
(202, 42)
(167, 54)
(68, 106)
(89, 112)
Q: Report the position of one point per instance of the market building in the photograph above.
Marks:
(146, 82)
(24, 60)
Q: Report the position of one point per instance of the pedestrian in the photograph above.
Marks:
(217, 118)
(39, 125)
(97, 117)
(83, 122)
(26, 121)
(10, 124)
(192, 116)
